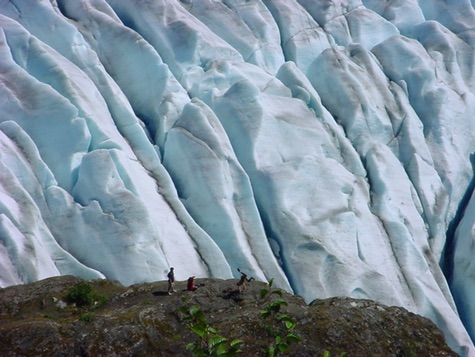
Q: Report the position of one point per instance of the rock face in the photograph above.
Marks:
(143, 320)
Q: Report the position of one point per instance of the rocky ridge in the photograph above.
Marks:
(143, 320)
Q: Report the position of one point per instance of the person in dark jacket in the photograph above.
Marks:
(171, 281)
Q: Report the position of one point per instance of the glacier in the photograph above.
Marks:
(325, 144)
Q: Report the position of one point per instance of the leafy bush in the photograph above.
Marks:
(83, 294)
(210, 343)
(281, 326)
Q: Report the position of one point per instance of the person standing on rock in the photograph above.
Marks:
(171, 281)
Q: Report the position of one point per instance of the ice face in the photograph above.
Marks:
(325, 144)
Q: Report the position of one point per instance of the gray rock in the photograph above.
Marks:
(143, 320)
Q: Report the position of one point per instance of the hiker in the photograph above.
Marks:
(171, 281)
(242, 282)
(191, 284)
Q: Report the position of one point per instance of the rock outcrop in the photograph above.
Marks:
(38, 319)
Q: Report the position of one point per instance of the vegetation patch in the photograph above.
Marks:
(84, 295)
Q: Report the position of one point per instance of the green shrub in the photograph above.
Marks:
(83, 294)
(210, 342)
(279, 326)
(86, 317)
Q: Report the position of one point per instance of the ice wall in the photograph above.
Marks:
(324, 144)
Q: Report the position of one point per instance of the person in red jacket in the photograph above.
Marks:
(191, 283)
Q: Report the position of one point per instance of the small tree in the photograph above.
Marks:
(281, 326)
(210, 343)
